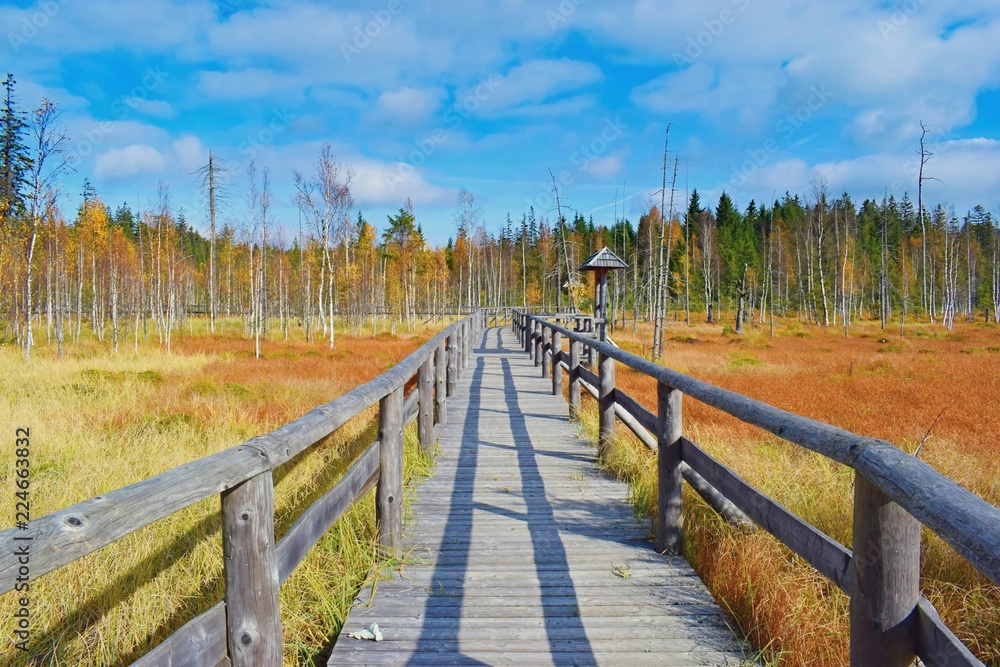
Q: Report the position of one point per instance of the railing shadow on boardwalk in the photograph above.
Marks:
(441, 619)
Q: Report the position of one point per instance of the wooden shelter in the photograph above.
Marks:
(601, 262)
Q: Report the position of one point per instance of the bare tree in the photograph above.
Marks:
(49, 144)
(324, 199)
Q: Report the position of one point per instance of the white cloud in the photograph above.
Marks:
(605, 167)
(119, 163)
(249, 84)
(189, 153)
(532, 83)
(409, 105)
(390, 183)
(157, 108)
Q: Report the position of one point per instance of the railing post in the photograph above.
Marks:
(253, 621)
(389, 493)
(440, 382)
(670, 506)
(453, 363)
(425, 395)
(460, 347)
(606, 404)
(886, 579)
(528, 324)
(546, 351)
(575, 348)
(539, 342)
(556, 368)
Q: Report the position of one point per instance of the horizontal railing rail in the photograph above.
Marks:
(894, 493)
(245, 628)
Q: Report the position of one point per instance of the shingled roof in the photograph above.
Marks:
(603, 259)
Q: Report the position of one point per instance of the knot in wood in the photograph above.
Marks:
(74, 521)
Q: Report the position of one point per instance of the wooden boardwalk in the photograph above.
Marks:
(521, 552)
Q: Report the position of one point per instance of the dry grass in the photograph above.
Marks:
(872, 383)
(101, 421)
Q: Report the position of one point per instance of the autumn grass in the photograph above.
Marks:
(100, 421)
(874, 384)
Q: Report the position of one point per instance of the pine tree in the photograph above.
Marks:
(15, 160)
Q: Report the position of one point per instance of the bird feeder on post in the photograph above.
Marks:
(601, 262)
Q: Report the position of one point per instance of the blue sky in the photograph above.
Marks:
(423, 98)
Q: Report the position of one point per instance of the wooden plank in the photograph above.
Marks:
(425, 393)
(886, 579)
(514, 541)
(938, 646)
(440, 382)
(253, 619)
(605, 405)
(318, 517)
(574, 379)
(828, 556)
(389, 493)
(965, 521)
(669, 501)
(718, 502)
(452, 365)
(556, 368)
(638, 411)
(201, 642)
(411, 407)
(62, 537)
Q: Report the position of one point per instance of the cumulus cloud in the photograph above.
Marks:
(530, 84)
(407, 104)
(119, 163)
(157, 108)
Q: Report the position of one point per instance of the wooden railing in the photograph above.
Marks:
(894, 493)
(245, 628)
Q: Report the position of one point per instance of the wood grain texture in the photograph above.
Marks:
(669, 500)
(575, 347)
(440, 384)
(201, 642)
(253, 619)
(965, 521)
(425, 394)
(627, 409)
(317, 519)
(389, 493)
(62, 537)
(886, 579)
(605, 405)
(521, 551)
(938, 646)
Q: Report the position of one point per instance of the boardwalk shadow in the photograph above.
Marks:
(540, 512)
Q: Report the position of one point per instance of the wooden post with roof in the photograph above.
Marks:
(601, 262)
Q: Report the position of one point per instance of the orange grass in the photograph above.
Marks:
(872, 383)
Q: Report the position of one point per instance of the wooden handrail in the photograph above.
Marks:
(245, 629)
(890, 484)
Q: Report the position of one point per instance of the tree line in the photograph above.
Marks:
(124, 276)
